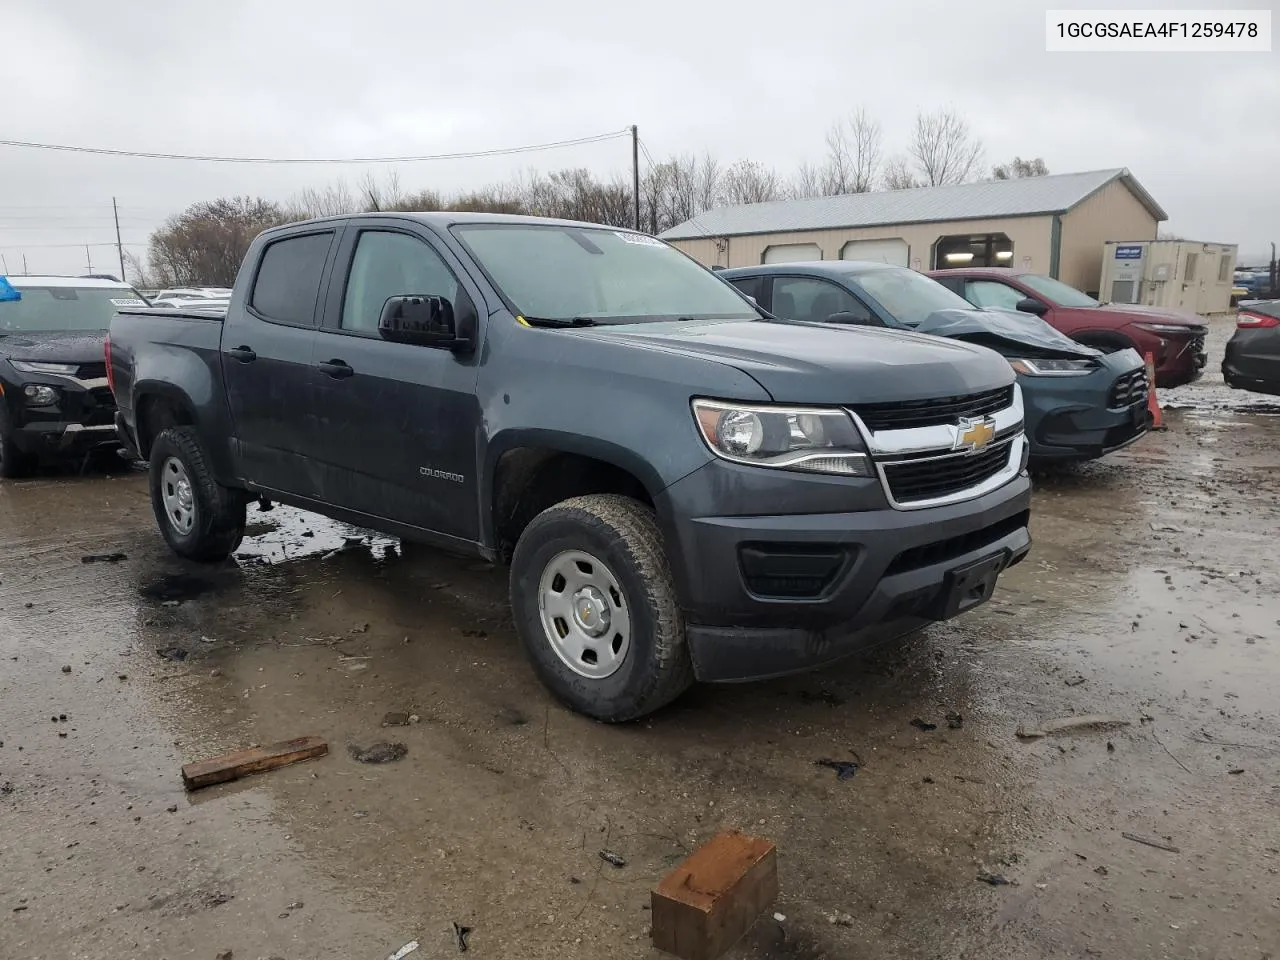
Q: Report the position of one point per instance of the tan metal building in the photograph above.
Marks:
(1055, 224)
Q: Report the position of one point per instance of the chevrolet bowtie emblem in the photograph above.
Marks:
(973, 436)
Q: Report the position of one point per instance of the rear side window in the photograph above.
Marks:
(749, 285)
(288, 280)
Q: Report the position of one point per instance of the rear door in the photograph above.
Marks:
(396, 423)
(267, 362)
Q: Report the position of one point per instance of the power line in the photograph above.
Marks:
(462, 155)
(79, 246)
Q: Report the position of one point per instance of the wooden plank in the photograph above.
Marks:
(241, 763)
(706, 904)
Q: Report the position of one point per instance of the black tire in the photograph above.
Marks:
(218, 525)
(623, 534)
(13, 462)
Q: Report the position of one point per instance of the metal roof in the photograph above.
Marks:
(1023, 197)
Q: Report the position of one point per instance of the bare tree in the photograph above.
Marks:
(1018, 168)
(943, 148)
(898, 175)
(205, 243)
(854, 154)
(807, 182)
(328, 201)
(137, 270)
(750, 182)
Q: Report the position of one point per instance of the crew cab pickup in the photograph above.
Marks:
(683, 486)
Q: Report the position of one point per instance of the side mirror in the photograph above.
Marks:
(846, 317)
(1031, 305)
(422, 320)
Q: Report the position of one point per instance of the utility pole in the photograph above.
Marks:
(635, 171)
(119, 246)
(88, 259)
(25, 272)
(4, 261)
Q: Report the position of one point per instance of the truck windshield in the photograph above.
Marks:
(563, 273)
(55, 309)
(907, 296)
(1057, 292)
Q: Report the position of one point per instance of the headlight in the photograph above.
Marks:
(39, 395)
(29, 366)
(1053, 368)
(1174, 328)
(814, 440)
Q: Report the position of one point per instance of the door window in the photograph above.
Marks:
(992, 295)
(288, 280)
(389, 265)
(804, 298)
(750, 286)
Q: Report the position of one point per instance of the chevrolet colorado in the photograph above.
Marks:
(683, 487)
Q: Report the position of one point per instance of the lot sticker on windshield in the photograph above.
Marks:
(639, 239)
(128, 302)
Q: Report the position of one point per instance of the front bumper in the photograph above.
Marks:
(766, 596)
(1081, 418)
(1179, 359)
(56, 439)
(1252, 360)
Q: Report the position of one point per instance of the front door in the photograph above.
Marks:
(267, 363)
(396, 423)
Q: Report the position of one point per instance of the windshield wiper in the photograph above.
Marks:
(551, 322)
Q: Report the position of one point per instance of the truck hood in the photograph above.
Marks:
(824, 363)
(1006, 331)
(66, 346)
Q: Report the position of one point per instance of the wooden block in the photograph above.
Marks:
(233, 766)
(705, 905)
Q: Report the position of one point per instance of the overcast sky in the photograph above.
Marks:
(754, 79)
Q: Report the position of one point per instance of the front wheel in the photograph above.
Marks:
(199, 518)
(594, 603)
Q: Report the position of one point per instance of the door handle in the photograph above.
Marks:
(338, 369)
(243, 354)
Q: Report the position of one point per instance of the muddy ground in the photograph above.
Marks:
(1151, 595)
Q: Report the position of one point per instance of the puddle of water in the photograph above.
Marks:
(284, 533)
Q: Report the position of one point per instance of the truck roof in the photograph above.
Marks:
(27, 281)
(449, 218)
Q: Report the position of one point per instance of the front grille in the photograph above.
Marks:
(930, 413)
(99, 407)
(911, 481)
(91, 371)
(1128, 389)
(943, 550)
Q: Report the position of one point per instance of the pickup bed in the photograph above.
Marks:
(684, 487)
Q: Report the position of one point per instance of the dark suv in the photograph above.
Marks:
(1080, 403)
(54, 398)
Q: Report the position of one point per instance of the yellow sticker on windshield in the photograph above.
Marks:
(522, 321)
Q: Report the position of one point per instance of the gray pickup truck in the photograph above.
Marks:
(684, 487)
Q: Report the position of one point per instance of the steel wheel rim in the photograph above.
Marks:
(585, 615)
(177, 496)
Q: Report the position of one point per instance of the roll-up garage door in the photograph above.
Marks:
(892, 251)
(792, 252)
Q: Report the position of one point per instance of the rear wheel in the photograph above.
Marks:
(594, 603)
(199, 518)
(13, 462)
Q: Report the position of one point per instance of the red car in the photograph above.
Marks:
(1175, 340)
